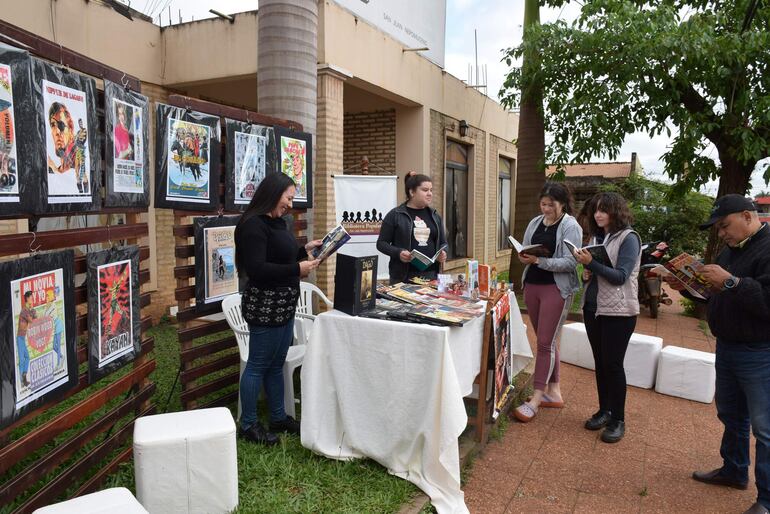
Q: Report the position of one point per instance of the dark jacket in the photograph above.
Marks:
(269, 255)
(742, 314)
(396, 235)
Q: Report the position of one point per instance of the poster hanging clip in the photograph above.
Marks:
(220, 211)
(124, 82)
(34, 250)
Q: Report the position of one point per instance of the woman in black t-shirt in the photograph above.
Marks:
(413, 225)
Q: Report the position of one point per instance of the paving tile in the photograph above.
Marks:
(595, 503)
(486, 502)
(555, 495)
(613, 477)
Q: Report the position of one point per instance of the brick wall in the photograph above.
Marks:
(372, 135)
(499, 147)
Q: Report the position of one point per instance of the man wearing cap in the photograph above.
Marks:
(739, 317)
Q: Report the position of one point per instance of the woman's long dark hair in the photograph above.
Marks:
(614, 205)
(266, 197)
(558, 192)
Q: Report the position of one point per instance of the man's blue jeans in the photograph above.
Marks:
(267, 353)
(21, 348)
(743, 400)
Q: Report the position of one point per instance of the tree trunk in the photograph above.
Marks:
(530, 176)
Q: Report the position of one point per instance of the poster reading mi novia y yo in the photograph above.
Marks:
(39, 332)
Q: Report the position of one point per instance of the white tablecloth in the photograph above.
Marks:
(393, 392)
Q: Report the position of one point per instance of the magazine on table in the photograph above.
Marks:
(332, 242)
(422, 261)
(536, 250)
(598, 252)
(685, 269)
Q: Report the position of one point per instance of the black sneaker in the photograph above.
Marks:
(614, 431)
(257, 434)
(288, 425)
(598, 420)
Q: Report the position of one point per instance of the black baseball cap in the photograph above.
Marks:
(728, 204)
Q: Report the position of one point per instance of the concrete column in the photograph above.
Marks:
(329, 160)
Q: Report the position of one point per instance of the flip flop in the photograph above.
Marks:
(524, 413)
(548, 402)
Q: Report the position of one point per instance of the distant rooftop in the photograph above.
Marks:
(609, 170)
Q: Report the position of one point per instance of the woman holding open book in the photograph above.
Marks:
(550, 279)
(610, 305)
(414, 226)
(267, 253)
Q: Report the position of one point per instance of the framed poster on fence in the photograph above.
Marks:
(126, 138)
(18, 190)
(501, 336)
(251, 154)
(215, 272)
(114, 324)
(295, 159)
(187, 151)
(67, 127)
(38, 357)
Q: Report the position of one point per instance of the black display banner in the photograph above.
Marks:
(114, 320)
(295, 159)
(187, 153)
(251, 154)
(18, 191)
(215, 273)
(126, 147)
(38, 357)
(68, 154)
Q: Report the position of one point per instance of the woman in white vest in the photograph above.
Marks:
(610, 306)
(549, 283)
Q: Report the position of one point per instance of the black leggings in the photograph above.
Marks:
(609, 336)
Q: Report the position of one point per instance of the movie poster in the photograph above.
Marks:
(9, 177)
(68, 155)
(295, 157)
(501, 333)
(113, 309)
(126, 139)
(250, 157)
(215, 273)
(38, 359)
(187, 164)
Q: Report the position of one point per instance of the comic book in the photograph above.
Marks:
(332, 242)
(684, 268)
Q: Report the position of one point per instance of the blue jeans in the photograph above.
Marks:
(21, 348)
(267, 353)
(743, 401)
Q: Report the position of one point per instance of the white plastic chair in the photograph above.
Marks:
(231, 306)
(306, 292)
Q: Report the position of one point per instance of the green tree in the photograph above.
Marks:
(659, 217)
(624, 66)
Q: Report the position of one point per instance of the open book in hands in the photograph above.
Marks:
(685, 269)
(537, 250)
(422, 261)
(332, 242)
(598, 252)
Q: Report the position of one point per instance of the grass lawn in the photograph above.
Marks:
(286, 477)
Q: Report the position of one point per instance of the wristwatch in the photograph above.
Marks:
(730, 282)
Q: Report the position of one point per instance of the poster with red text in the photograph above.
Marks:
(115, 315)
(39, 333)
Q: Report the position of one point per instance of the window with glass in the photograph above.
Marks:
(505, 168)
(456, 199)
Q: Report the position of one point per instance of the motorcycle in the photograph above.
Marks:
(651, 293)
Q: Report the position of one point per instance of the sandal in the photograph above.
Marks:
(524, 413)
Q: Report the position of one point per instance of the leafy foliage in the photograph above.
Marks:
(624, 66)
(658, 217)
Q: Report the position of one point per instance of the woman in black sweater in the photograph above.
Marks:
(268, 254)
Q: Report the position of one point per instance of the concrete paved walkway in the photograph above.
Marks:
(553, 464)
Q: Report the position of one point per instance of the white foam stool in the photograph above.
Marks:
(186, 462)
(641, 361)
(574, 346)
(117, 499)
(686, 373)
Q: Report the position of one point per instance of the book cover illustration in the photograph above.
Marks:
(355, 284)
(684, 267)
(501, 333)
(116, 336)
(331, 242)
(485, 280)
(472, 274)
(39, 333)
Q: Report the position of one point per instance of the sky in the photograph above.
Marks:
(498, 24)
